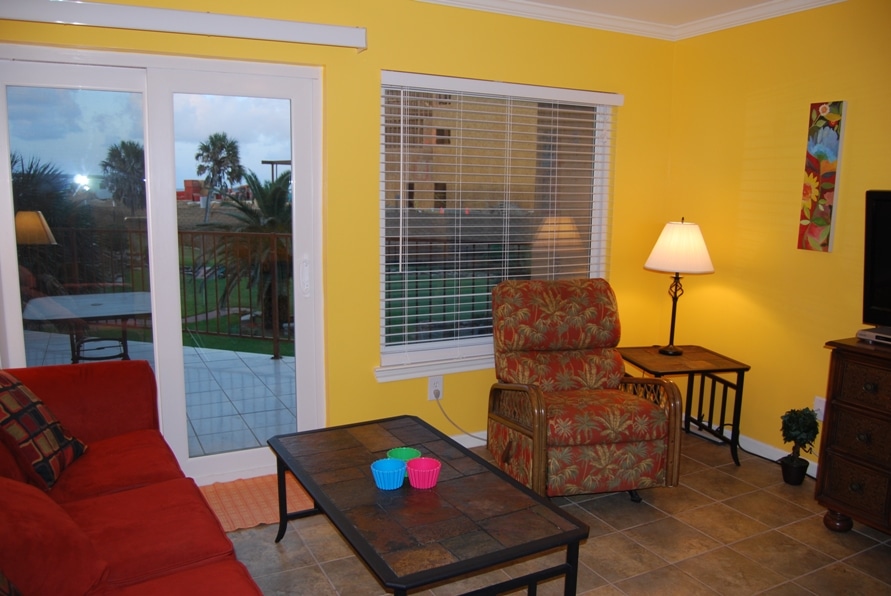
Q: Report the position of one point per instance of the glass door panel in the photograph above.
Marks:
(233, 175)
(77, 171)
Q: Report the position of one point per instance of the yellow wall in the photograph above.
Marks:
(713, 129)
(739, 117)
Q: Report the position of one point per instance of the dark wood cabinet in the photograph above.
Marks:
(854, 477)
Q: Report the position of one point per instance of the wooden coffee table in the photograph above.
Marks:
(476, 517)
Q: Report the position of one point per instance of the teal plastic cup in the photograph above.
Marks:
(389, 474)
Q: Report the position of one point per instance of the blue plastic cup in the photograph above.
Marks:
(388, 473)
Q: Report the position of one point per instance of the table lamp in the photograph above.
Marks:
(558, 251)
(679, 249)
(31, 228)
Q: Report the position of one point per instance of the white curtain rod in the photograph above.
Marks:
(97, 14)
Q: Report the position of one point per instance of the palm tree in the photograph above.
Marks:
(124, 171)
(258, 253)
(219, 160)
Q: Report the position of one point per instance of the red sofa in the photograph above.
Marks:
(121, 518)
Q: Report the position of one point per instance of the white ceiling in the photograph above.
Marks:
(662, 19)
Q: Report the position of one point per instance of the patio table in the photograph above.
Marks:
(72, 310)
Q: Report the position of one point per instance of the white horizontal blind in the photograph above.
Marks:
(479, 186)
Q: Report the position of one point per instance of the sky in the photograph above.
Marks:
(73, 128)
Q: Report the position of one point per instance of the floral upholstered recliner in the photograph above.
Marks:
(564, 418)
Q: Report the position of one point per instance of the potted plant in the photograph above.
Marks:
(799, 428)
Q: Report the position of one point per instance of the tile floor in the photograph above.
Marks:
(234, 400)
(725, 530)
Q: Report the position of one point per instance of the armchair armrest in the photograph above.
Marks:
(665, 394)
(521, 408)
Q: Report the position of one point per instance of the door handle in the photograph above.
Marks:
(304, 275)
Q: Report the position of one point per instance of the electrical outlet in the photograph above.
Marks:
(819, 407)
(434, 388)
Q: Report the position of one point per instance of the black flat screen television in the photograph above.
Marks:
(877, 260)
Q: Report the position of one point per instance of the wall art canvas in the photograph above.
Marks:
(824, 135)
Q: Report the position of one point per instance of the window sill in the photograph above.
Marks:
(401, 372)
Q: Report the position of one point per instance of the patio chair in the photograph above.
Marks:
(84, 347)
(563, 417)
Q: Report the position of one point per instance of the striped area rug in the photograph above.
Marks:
(253, 501)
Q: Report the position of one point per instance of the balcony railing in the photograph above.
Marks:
(239, 285)
(232, 284)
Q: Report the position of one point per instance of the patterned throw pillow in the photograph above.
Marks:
(38, 441)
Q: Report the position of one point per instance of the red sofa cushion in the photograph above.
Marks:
(119, 463)
(42, 550)
(152, 531)
(9, 467)
(38, 441)
(97, 400)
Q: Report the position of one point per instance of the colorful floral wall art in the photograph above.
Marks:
(820, 176)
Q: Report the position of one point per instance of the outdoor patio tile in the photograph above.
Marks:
(205, 426)
(230, 441)
(257, 404)
(211, 410)
(270, 418)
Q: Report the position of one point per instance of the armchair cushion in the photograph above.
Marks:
(557, 336)
(583, 417)
(40, 443)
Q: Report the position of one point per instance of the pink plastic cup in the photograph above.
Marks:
(423, 472)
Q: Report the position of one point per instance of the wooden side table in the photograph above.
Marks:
(699, 362)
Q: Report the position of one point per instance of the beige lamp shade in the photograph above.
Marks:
(31, 228)
(558, 251)
(680, 249)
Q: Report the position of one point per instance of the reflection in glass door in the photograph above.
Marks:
(233, 175)
(79, 196)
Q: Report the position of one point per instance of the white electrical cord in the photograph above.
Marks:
(472, 436)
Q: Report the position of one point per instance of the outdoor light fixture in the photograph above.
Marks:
(679, 249)
(31, 228)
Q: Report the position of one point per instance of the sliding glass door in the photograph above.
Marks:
(182, 200)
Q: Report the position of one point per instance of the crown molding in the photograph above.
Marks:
(140, 18)
(544, 12)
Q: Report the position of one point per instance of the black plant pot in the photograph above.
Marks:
(794, 469)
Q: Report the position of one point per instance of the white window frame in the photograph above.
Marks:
(475, 353)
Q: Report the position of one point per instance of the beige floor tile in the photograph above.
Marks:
(802, 495)
(671, 539)
(756, 471)
(716, 484)
(722, 523)
(787, 556)
(676, 499)
(620, 512)
(768, 509)
(615, 557)
(875, 561)
(729, 573)
(839, 545)
(665, 581)
(842, 579)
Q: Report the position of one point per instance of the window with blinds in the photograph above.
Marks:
(482, 182)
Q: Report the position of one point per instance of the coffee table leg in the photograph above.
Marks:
(572, 560)
(282, 500)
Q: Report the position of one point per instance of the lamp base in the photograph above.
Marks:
(671, 351)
